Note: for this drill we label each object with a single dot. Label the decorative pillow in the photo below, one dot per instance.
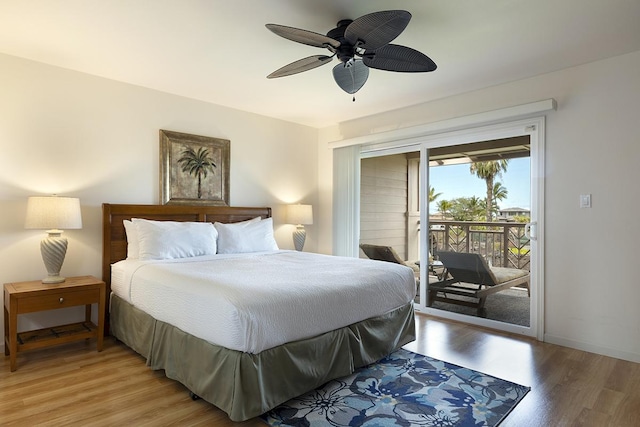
(246, 236)
(174, 239)
(133, 248)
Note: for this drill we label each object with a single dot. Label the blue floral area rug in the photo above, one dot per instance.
(404, 389)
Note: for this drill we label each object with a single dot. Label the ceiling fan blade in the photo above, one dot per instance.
(303, 36)
(301, 65)
(377, 29)
(398, 58)
(351, 75)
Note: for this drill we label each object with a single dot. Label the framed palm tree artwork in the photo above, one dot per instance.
(194, 169)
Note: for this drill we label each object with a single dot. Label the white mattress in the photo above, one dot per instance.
(253, 302)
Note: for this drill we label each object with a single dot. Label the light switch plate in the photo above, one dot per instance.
(585, 200)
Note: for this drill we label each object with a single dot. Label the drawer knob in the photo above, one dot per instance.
(61, 300)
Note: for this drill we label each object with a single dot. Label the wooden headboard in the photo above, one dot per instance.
(114, 239)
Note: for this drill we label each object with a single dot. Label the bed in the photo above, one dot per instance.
(237, 347)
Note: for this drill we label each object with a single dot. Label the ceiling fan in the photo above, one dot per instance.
(359, 45)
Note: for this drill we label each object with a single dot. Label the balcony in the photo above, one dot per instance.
(503, 244)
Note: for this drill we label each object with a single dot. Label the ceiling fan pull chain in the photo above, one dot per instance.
(353, 79)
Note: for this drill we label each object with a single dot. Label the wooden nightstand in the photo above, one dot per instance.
(30, 297)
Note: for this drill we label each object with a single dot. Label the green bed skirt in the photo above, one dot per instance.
(246, 385)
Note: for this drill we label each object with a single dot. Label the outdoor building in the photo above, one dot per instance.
(509, 214)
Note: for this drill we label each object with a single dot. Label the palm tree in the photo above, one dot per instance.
(467, 209)
(433, 195)
(474, 206)
(488, 171)
(500, 192)
(444, 206)
(197, 163)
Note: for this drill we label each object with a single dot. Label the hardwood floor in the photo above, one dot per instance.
(75, 385)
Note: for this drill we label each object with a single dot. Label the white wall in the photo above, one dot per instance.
(83, 136)
(592, 288)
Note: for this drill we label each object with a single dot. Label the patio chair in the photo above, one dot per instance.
(386, 253)
(469, 275)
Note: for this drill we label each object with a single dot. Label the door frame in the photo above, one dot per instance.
(534, 128)
(347, 154)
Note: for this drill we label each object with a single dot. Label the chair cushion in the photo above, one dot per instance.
(504, 274)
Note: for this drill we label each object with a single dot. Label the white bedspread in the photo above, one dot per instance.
(253, 302)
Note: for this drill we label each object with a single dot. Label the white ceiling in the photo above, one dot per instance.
(219, 51)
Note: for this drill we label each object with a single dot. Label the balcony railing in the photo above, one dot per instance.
(502, 244)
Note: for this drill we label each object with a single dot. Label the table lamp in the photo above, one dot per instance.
(53, 214)
(300, 215)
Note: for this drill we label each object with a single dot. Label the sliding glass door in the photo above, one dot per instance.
(479, 205)
(476, 192)
(483, 207)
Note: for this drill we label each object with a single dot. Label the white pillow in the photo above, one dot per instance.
(256, 219)
(133, 248)
(174, 239)
(246, 236)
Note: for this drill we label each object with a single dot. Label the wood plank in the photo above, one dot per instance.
(380, 182)
(382, 216)
(382, 237)
(383, 201)
(374, 203)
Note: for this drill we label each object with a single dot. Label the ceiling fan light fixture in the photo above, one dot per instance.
(351, 75)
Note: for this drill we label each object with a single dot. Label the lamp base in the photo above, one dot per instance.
(53, 279)
(53, 249)
(299, 236)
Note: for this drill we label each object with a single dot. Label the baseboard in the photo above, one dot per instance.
(591, 348)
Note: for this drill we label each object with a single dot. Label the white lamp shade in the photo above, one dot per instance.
(52, 212)
(300, 214)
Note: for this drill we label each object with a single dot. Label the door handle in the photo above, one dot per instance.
(528, 228)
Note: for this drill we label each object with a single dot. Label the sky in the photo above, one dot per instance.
(455, 181)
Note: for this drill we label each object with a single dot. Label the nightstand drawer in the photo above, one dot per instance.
(58, 300)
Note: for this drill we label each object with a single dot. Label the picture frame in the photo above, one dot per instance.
(194, 169)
